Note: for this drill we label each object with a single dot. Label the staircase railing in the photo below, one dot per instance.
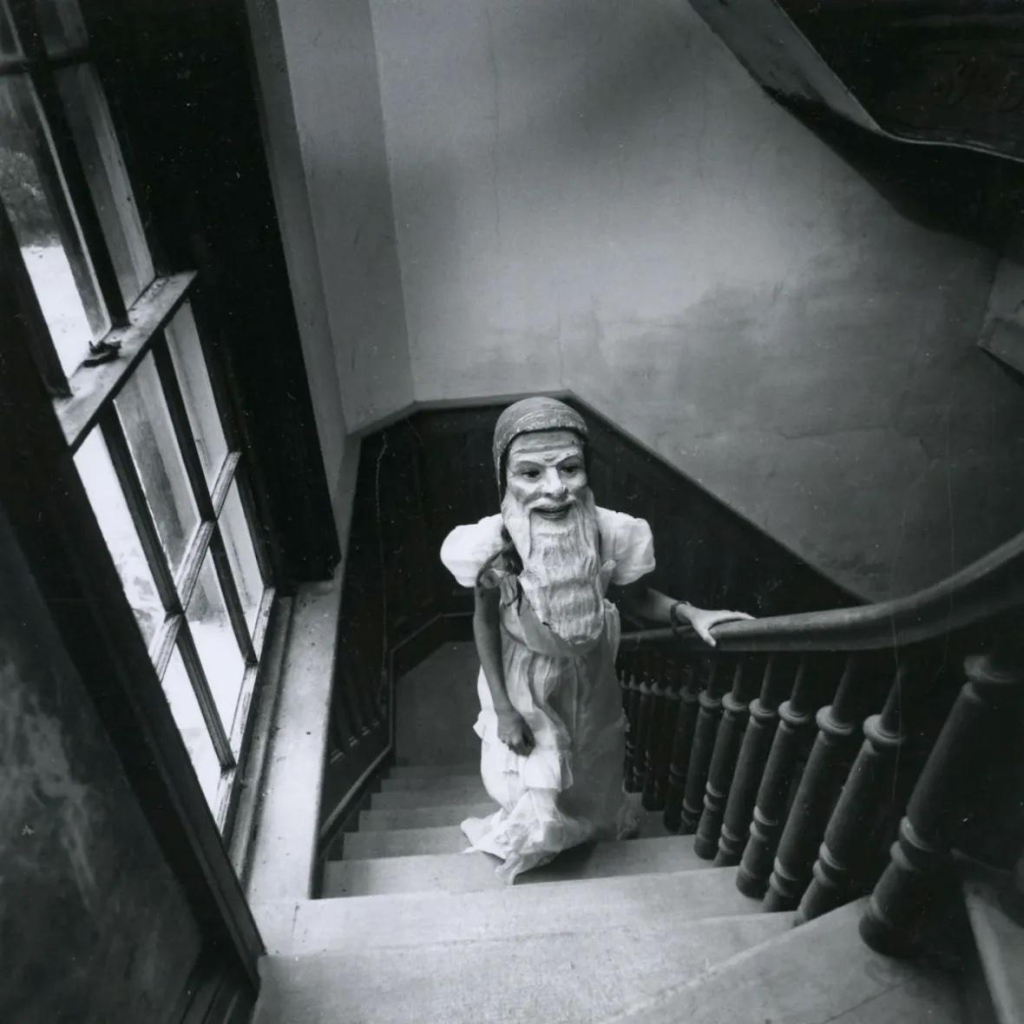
(791, 748)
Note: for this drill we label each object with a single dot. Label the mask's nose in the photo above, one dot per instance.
(554, 485)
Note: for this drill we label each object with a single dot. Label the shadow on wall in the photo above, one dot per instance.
(970, 194)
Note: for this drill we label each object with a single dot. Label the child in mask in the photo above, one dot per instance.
(551, 723)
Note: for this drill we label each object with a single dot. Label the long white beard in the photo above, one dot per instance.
(561, 566)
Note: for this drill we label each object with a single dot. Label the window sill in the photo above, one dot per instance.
(274, 842)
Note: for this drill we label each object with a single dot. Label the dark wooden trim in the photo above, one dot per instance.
(204, 697)
(92, 387)
(989, 586)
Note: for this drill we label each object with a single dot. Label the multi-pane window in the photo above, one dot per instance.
(117, 345)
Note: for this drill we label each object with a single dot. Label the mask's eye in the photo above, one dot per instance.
(530, 474)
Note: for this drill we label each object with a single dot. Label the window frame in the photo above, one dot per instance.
(84, 401)
(44, 499)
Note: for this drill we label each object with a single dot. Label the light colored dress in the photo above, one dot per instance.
(568, 789)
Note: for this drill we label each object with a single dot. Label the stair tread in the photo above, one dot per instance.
(412, 918)
(821, 971)
(430, 783)
(1000, 943)
(400, 799)
(442, 839)
(562, 976)
(464, 872)
(398, 818)
(423, 771)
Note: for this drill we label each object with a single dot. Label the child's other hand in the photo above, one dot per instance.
(514, 732)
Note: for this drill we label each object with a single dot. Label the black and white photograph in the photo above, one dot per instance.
(511, 511)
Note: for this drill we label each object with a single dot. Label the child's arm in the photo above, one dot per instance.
(645, 602)
(512, 728)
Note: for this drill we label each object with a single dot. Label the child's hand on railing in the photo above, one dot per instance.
(704, 620)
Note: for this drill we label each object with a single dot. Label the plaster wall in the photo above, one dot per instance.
(316, 66)
(93, 926)
(598, 198)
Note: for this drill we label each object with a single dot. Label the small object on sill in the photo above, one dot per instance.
(102, 352)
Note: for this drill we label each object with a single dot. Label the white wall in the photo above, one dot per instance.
(317, 72)
(597, 197)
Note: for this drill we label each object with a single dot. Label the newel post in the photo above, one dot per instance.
(897, 911)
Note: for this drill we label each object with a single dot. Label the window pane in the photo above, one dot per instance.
(33, 193)
(60, 22)
(242, 555)
(98, 147)
(187, 354)
(192, 726)
(101, 484)
(215, 640)
(9, 46)
(147, 424)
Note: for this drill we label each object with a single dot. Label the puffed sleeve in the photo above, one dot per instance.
(629, 544)
(467, 548)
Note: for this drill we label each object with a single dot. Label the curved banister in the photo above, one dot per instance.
(992, 584)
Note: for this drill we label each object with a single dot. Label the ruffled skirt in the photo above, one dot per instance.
(569, 789)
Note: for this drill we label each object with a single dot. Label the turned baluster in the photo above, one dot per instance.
(735, 712)
(708, 716)
(630, 705)
(671, 721)
(666, 726)
(834, 749)
(643, 731)
(659, 694)
(863, 798)
(757, 741)
(350, 693)
(345, 725)
(659, 712)
(793, 734)
(975, 729)
(682, 742)
(362, 683)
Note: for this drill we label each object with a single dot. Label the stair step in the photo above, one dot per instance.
(414, 918)
(434, 771)
(999, 939)
(402, 798)
(821, 971)
(465, 872)
(423, 817)
(430, 783)
(403, 842)
(568, 975)
(442, 839)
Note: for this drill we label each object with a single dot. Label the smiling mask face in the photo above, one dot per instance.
(549, 513)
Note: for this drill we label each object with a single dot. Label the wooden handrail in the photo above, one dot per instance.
(992, 584)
